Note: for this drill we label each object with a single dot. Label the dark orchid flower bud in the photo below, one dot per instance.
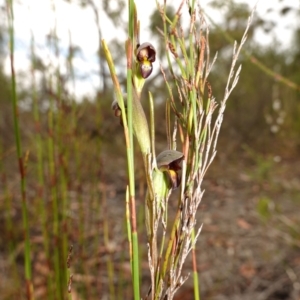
(169, 161)
(146, 51)
(118, 112)
(115, 106)
(165, 178)
(145, 54)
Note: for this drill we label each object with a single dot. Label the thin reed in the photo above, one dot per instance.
(20, 156)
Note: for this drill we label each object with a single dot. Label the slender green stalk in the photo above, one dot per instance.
(130, 151)
(27, 252)
(133, 109)
(61, 184)
(128, 226)
(195, 271)
(59, 189)
(152, 124)
(54, 195)
(63, 190)
(98, 170)
(130, 155)
(109, 263)
(40, 165)
(63, 224)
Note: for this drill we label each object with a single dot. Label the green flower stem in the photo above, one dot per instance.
(195, 271)
(134, 121)
(129, 113)
(28, 275)
(152, 125)
(130, 161)
(128, 225)
(40, 165)
(54, 196)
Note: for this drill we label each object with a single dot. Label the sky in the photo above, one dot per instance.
(39, 17)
